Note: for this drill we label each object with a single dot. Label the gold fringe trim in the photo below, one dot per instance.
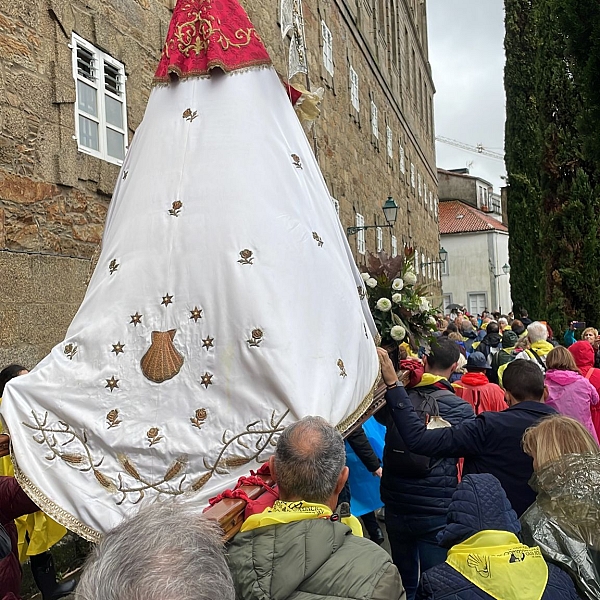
(54, 511)
(363, 407)
(206, 73)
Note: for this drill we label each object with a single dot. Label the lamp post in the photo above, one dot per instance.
(390, 212)
(505, 271)
(443, 254)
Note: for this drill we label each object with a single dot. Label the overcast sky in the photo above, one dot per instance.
(466, 52)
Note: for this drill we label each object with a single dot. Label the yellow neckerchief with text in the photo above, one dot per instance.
(290, 512)
(497, 563)
(429, 379)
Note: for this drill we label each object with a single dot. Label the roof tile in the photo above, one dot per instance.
(458, 217)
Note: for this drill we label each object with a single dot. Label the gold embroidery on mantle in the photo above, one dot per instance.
(199, 418)
(136, 319)
(162, 361)
(342, 368)
(188, 115)
(317, 239)
(296, 161)
(196, 314)
(118, 348)
(256, 337)
(153, 436)
(253, 441)
(202, 28)
(113, 266)
(176, 208)
(70, 351)
(112, 418)
(246, 257)
(112, 383)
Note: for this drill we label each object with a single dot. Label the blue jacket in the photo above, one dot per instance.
(431, 494)
(491, 443)
(479, 504)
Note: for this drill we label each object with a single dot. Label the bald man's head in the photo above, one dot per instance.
(309, 458)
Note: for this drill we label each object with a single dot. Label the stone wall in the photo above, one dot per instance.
(54, 198)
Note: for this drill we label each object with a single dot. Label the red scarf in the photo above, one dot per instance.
(474, 379)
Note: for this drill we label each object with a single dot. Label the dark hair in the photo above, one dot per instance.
(492, 327)
(524, 380)
(9, 373)
(443, 353)
(518, 327)
(452, 328)
(524, 313)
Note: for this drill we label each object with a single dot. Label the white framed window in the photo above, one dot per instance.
(431, 201)
(327, 48)
(336, 205)
(374, 120)
(394, 246)
(101, 106)
(416, 262)
(402, 160)
(439, 273)
(413, 182)
(444, 267)
(379, 232)
(423, 261)
(429, 269)
(360, 235)
(436, 205)
(388, 137)
(354, 99)
(425, 190)
(420, 186)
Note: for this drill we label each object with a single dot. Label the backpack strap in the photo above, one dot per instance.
(537, 357)
(589, 374)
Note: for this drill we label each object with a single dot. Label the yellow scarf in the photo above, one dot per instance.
(289, 512)
(497, 563)
(429, 379)
(542, 348)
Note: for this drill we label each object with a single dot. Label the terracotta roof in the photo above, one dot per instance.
(457, 217)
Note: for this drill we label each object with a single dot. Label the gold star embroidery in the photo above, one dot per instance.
(196, 314)
(118, 348)
(208, 342)
(113, 266)
(136, 319)
(167, 300)
(206, 379)
(112, 383)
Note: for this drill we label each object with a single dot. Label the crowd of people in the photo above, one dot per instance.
(490, 484)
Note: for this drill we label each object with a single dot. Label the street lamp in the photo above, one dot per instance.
(390, 212)
(443, 254)
(505, 271)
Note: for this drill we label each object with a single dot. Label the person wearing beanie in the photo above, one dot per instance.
(476, 389)
(507, 354)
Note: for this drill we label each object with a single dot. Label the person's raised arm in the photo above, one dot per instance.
(462, 440)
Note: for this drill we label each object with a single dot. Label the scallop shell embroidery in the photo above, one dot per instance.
(162, 361)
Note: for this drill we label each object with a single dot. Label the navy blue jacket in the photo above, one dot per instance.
(429, 495)
(479, 504)
(491, 443)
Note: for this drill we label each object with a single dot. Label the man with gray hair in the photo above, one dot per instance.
(302, 548)
(166, 552)
(539, 346)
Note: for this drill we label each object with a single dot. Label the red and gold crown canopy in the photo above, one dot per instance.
(205, 34)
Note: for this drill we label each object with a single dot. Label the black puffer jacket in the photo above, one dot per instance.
(430, 495)
(489, 342)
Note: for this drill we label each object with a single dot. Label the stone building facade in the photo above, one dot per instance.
(58, 164)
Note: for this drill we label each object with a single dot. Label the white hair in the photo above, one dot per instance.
(537, 332)
(167, 551)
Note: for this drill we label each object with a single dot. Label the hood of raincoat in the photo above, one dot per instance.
(583, 353)
(562, 377)
(478, 504)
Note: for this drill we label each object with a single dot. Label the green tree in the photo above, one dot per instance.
(522, 163)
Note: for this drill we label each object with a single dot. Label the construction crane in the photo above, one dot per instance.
(479, 149)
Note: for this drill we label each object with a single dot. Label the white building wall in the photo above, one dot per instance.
(470, 258)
